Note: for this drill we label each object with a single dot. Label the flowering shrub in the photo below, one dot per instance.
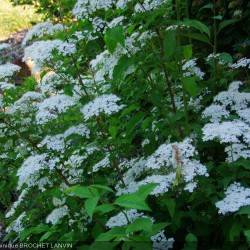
(130, 135)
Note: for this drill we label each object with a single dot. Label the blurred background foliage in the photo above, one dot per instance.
(13, 19)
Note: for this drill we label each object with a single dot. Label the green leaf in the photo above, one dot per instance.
(170, 203)
(124, 67)
(226, 23)
(33, 230)
(207, 6)
(104, 208)
(113, 130)
(137, 199)
(141, 224)
(203, 28)
(114, 36)
(191, 242)
(114, 233)
(169, 43)
(187, 52)
(145, 190)
(198, 37)
(190, 86)
(48, 234)
(156, 228)
(247, 234)
(244, 210)
(218, 17)
(132, 201)
(79, 191)
(106, 188)
(90, 205)
(235, 231)
(191, 238)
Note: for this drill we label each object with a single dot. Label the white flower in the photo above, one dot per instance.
(51, 107)
(42, 29)
(55, 142)
(116, 21)
(26, 103)
(8, 70)
(104, 163)
(236, 197)
(121, 4)
(225, 132)
(85, 8)
(124, 218)
(237, 150)
(5, 86)
(17, 225)
(242, 63)
(190, 69)
(165, 154)
(80, 129)
(215, 112)
(39, 53)
(14, 206)
(148, 5)
(167, 159)
(28, 173)
(160, 242)
(106, 104)
(4, 46)
(57, 214)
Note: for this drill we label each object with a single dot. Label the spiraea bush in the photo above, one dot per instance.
(135, 132)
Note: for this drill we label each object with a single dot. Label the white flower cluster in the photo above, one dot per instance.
(104, 104)
(16, 204)
(29, 172)
(218, 57)
(40, 52)
(235, 133)
(105, 62)
(49, 83)
(237, 196)
(51, 107)
(160, 242)
(190, 69)
(5, 86)
(8, 70)
(57, 214)
(40, 30)
(242, 63)
(26, 103)
(58, 142)
(4, 46)
(17, 225)
(124, 218)
(85, 8)
(169, 158)
(148, 5)
(104, 163)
